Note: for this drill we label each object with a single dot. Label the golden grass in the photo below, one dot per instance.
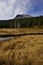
(19, 31)
(24, 50)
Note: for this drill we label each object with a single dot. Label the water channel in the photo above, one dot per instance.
(5, 38)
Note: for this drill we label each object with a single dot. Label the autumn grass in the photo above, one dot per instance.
(24, 50)
(4, 31)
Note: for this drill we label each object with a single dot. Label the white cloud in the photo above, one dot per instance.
(10, 8)
(22, 7)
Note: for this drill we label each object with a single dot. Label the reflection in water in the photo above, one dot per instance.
(5, 38)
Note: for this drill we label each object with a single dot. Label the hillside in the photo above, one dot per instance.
(23, 21)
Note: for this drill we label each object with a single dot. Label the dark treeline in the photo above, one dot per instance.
(33, 22)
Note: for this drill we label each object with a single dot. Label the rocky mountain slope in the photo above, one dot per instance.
(23, 16)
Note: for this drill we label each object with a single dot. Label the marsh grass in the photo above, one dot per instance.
(24, 50)
(19, 31)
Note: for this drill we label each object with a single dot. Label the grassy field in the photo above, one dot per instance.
(23, 50)
(19, 31)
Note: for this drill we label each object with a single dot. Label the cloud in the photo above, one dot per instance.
(10, 8)
(6, 8)
(22, 7)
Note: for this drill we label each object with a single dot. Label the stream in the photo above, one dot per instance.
(5, 38)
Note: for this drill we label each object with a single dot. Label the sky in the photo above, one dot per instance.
(10, 8)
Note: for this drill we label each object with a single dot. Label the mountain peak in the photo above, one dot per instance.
(20, 16)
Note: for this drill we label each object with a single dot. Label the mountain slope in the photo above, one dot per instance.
(23, 16)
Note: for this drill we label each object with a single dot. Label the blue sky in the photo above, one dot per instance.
(10, 8)
(37, 6)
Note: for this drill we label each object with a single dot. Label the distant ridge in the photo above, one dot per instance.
(22, 16)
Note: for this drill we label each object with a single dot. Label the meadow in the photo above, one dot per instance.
(22, 50)
(8, 31)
